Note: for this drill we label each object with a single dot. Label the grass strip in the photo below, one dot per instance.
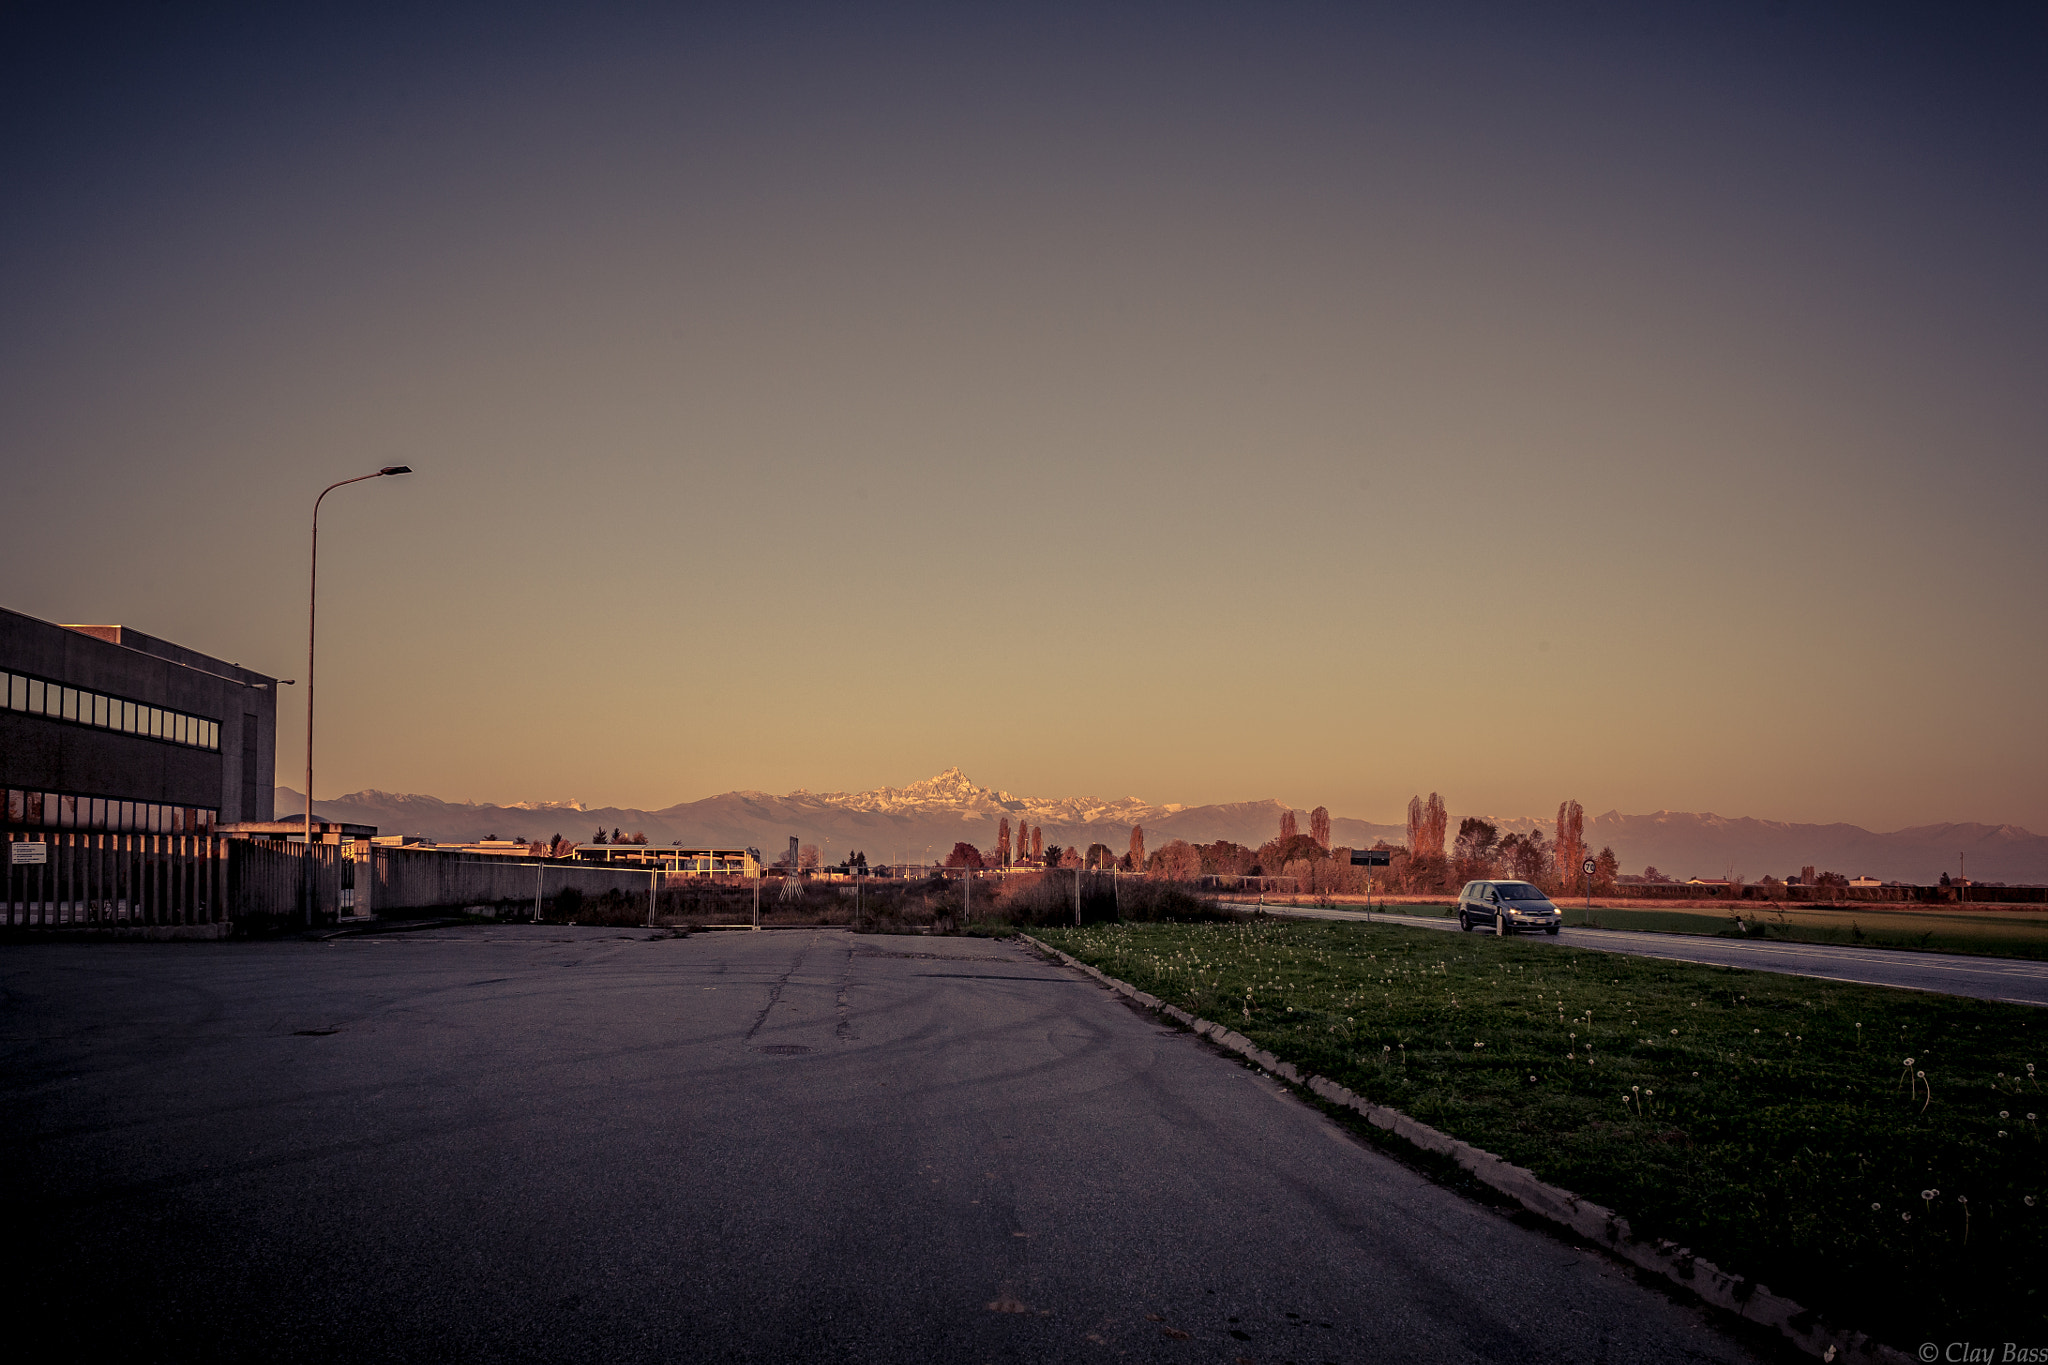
(1769, 1123)
(2020, 933)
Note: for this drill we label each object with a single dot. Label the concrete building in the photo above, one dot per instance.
(701, 862)
(104, 727)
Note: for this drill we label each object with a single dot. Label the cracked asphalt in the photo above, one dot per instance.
(537, 1143)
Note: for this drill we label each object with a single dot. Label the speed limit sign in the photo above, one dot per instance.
(1590, 867)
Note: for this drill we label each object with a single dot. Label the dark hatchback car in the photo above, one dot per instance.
(1506, 908)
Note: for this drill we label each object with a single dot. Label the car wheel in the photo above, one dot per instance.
(1464, 925)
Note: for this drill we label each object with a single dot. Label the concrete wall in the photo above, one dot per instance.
(409, 879)
(44, 754)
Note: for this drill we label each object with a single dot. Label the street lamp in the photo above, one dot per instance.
(312, 606)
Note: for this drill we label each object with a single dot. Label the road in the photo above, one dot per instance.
(534, 1143)
(2013, 980)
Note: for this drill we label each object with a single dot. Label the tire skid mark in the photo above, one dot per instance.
(775, 988)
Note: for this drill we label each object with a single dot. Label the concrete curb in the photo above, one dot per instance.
(1744, 1298)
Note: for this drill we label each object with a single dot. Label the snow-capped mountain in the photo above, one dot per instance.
(925, 819)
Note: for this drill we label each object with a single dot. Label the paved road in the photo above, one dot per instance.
(535, 1143)
(1987, 978)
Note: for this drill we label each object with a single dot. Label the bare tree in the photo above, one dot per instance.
(1038, 841)
(1138, 847)
(1570, 848)
(1288, 829)
(807, 857)
(1003, 842)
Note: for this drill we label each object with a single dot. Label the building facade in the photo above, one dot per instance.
(104, 727)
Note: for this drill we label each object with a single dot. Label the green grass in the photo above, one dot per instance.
(2004, 933)
(1767, 1122)
(2011, 933)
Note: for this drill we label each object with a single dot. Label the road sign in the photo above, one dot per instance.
(1591, 867)
(28, 853)
(1371, 857)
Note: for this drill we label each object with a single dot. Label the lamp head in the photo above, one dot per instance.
(395, 469)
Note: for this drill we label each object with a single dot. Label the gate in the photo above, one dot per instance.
(97, 879)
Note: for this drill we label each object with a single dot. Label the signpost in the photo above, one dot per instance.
(1370, 857)
(1588, 868)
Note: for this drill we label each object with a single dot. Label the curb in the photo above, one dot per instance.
(1603, 1227)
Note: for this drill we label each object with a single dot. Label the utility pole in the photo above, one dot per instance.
(1077, 895)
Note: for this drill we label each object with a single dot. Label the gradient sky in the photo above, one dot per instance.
(1645, 405)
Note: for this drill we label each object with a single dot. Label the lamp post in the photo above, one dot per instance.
(312, 607)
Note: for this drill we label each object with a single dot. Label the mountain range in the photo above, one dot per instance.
(923, 821)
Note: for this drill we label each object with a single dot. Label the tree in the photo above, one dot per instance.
(1477, 839)
(639, 836)
(964, 854)
(1606, 868)
(1571, 843)
(1290, 848)
(1177, 861)
(557, 846)
(1287, 827)
(1137, 845)
(617, 838)
(1070, 856)
(1319, 825)
(1099, 856)
(1525, 856)
(1038, 841)
(807, 858)
(598, 837)
(1428, 822)
(1003, 842)
(1051, 854)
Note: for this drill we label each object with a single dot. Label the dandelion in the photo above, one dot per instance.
(2001, 1132)
(1674, 1033)
(1875, 1206)
(1905, 1217)
(2029, 1201)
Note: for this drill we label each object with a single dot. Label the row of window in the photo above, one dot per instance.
(61, 810)
(19, 692)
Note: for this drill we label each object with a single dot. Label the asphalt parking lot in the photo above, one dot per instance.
(535, 1143)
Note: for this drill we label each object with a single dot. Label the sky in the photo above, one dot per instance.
(1642, 405)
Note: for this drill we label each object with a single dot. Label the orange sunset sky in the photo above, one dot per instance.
(1199, 402)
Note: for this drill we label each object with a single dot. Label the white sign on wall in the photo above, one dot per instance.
(28, 853)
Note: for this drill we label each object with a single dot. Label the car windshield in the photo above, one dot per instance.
(1519, 891)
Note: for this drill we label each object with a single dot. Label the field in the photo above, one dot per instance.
(1994, 933)
(1874, 1154)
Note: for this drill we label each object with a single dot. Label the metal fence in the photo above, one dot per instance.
(53, 879)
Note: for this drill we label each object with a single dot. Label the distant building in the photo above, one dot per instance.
(700, 862)
(106, 728)
(1865, 881)
(1708, 881)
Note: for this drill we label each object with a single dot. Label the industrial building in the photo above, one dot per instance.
(700, 862)
(107, 728)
